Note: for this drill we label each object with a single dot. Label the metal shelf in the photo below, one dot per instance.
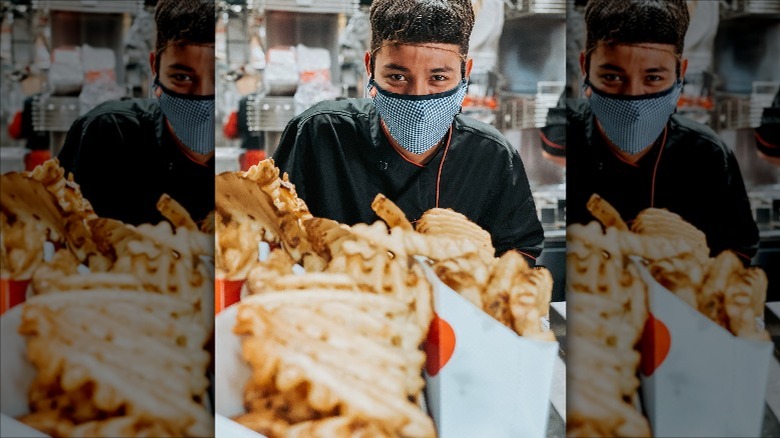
(731, 9)
(740, 111)
(269, 113)
(534, 8)
(311, 6)
(54, 113)
(516, 111)
(92, 6)
(762, 96)
(548, 93)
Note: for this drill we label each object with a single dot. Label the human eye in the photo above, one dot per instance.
(654, 78)
(439, 78)
(397, 77)
(611, 77)
(181, 77)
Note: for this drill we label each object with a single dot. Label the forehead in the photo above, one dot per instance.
(644, 54)
(196, 56)
(414, 53)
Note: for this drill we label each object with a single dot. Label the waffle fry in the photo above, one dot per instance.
(236, 249)
(208, 224)
(390, 213)
(672, 227)
(605, 213)
(165, 260)
(29, 216)
(262, 196)
(296, 342)
(608, 310)
(65, 190)
(76, 210)
(449, 223)
(175, 213)
(98, 355)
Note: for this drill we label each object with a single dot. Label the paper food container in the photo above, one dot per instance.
(481, 378)
(697, 378)
(10, 427)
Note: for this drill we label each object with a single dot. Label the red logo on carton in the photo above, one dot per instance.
(226, 292)
(439, 346)
(656, 342)
(12, 292)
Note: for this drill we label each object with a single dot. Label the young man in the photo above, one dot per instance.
(408, 140)
(125, 154)
(626, 144)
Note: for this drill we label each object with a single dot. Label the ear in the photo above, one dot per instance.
(683, 67)
(469, 64)
(367, 62)
(152, 64)
(582, 64)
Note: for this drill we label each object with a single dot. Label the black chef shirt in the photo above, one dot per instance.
(124, 158)
(339, 159)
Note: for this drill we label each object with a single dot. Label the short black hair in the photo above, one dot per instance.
(184, 22)
(422, 21)
(636, 21)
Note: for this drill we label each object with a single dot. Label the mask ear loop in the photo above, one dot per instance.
(655, 168)
(441, 166)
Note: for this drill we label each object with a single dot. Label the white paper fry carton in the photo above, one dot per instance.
(485, 380)
(697, 378)
(482, 380)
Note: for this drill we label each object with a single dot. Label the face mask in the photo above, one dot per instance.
(632, 123)
(190, 116)
(418, 123)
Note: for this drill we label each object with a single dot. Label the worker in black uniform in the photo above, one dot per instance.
(126, 154)
(408, 140)
(625, 142)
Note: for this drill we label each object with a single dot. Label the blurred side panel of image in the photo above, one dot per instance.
(106, 223)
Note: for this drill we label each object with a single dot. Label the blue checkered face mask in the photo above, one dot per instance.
(418, 122)
(632, 123)
(191, 118)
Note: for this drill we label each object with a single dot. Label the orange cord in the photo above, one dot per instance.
(441, 165)
(655, 169)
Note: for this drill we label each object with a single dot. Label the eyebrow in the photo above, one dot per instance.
(657, 70)
(615, 68)
(181, 67)
(404, 69)
(611, 67)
